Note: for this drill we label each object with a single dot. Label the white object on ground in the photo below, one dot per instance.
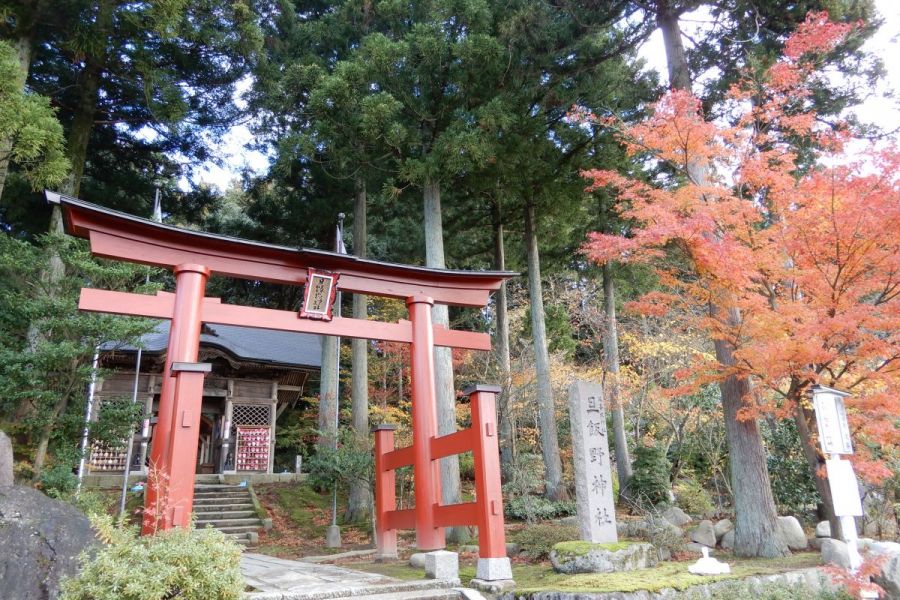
(708, 565)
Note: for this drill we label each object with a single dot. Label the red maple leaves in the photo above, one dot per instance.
(808, 253)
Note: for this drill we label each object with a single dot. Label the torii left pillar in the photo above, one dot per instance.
(170, 490)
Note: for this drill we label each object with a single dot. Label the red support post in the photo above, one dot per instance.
(160, 505)
(385, 493)
(426, 470)
(486, 454)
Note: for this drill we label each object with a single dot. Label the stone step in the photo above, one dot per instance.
(218, 515)
(239, 538)
(205, 508)
(405, 590)
(221, 523)
(438, 594)
(212, 493)
(240, 528)
(220, 486)
(211, 497)
(222, 498)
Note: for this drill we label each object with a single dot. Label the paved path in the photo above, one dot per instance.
(269, 574)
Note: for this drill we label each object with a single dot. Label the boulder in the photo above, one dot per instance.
(676, 516)
(512, 549)
(816, 543)
(638, 528)
(704, 534)
(834, 552)
(727, 541)
(823, 529)
(585, 557)
(417, 560)
(6, 461)
(889, 577)
(864, 543)
(791, 532)
(721, 528)
(885, 548)
(694, 547)
(42, 539)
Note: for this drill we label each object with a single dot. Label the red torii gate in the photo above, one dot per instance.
(193, 256)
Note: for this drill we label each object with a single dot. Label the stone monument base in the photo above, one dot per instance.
(500, 586)
(586, 557)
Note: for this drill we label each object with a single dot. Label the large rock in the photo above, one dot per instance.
(585, 557)
(834, 552)
(791, 532)
(889, 578)
(727, 541)
(41, 539)
(417, 560)
(6, 461)
(823, 529)
(676, 516)
(704, 534)
(721, 528)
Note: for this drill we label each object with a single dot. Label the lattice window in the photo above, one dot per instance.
(251, 414)
(254, 416)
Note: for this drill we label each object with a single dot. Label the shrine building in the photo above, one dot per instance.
(256, 375)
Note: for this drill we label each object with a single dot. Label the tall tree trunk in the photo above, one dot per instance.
(554, 488)
(40, 453)
(806, 422)
(611, 350)
(360, 499)
(755, 531)
(22, 46)
(676, 59)
(328, 389)
(445, 390)
(504, 406)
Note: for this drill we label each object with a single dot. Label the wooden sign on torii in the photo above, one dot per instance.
(193, 256)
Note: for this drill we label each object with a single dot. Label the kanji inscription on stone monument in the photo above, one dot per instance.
(593, 476)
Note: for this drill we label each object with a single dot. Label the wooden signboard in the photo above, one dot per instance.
(319, 295)
(831, 417)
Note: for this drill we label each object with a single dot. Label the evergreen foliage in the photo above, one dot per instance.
(650, 482)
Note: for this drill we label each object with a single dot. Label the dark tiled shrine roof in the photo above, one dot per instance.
(286, 348)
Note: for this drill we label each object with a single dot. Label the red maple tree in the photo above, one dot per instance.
(807, 251)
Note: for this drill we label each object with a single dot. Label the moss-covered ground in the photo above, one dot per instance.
(542, 577)
(299, 516)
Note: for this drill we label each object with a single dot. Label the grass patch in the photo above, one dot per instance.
(542, 577)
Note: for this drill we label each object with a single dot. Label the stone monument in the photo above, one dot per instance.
(6, 460)
(593, 476)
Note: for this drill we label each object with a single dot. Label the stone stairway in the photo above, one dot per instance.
(228, 508)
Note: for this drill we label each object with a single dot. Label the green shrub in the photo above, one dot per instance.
(792, 482)
(741, 590)
(182, 563)
(523, 482)
(58, 481)
(467, 466)
(92, 502)
(538, 540)
(533, 508)
(692, 498)
(649, 484)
